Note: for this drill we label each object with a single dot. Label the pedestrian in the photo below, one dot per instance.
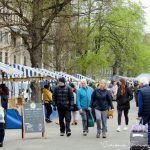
(124, 96)
(64, 100)
(101, 102)
(47, 96)
(75, 110)
(136, 90)
(84, 94)
(4, 93)
(114, 90)
(144, 104)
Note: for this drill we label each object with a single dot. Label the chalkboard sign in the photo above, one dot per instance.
(33, 118)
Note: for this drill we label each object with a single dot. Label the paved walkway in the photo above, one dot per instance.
(114, 140)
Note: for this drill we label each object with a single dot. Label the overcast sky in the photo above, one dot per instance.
(146, 3)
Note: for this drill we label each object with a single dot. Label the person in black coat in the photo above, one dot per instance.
(101, 102)
(4, 92)
(63, 98)
(124, 96)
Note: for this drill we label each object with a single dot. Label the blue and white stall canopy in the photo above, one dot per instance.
(79, 76)
(48, 73)
(9, 70)
(57, 75)
(28, 72)
(66, 76)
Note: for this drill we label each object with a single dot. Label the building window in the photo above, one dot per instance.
(1, 56)
(6, 57)
(25, 60)
(1, 36)
(14, 41)
(6, 38)
(15, 59)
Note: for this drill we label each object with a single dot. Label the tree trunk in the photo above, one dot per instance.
(36, 51)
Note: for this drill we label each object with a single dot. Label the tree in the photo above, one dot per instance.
(118, 34)
(35, 17)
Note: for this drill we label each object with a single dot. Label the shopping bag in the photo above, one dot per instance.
(139, 136)
(2, 115)
(90, 120)
(110, 114)
(139, 127)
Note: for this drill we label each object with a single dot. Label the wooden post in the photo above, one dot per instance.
(23, 126)
(44, 133)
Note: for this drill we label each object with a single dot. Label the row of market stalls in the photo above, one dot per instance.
(18, 78)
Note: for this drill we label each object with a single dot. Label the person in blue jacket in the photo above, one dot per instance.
(83, 98)
(144, 104)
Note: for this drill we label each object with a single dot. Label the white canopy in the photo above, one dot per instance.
(142, 75)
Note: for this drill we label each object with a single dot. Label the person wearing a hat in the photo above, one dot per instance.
(63, 98)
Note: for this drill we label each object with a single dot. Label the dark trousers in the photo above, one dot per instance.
(126, 111)
(64, 113)
(2, 134)
(48, 110)
(149, 133)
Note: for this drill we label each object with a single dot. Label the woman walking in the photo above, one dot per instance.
(101, 102)
(124, 96)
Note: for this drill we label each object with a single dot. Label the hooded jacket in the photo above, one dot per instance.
(47, 96)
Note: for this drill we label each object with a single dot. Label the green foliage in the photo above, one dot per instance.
(119, 30)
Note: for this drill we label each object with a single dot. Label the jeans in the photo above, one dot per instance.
(125, 115)
(101, 120)
(64, 113)
(48, 110)
(84, 116)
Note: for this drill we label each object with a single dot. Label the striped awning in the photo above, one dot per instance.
(79, 76)
(67, 76)
(48, 73)
(9, 70)
(27, 71)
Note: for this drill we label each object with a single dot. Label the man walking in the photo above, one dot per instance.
(64, 100)
(83, 102)
(144, 104)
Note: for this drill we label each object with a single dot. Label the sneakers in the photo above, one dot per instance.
(125, 128)
(68, 134)
(85, 133)
(74, 123)
(1, 144)
(118, 129)
(98, 135)
(103, 135)
(48, 121)
(62, 134)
